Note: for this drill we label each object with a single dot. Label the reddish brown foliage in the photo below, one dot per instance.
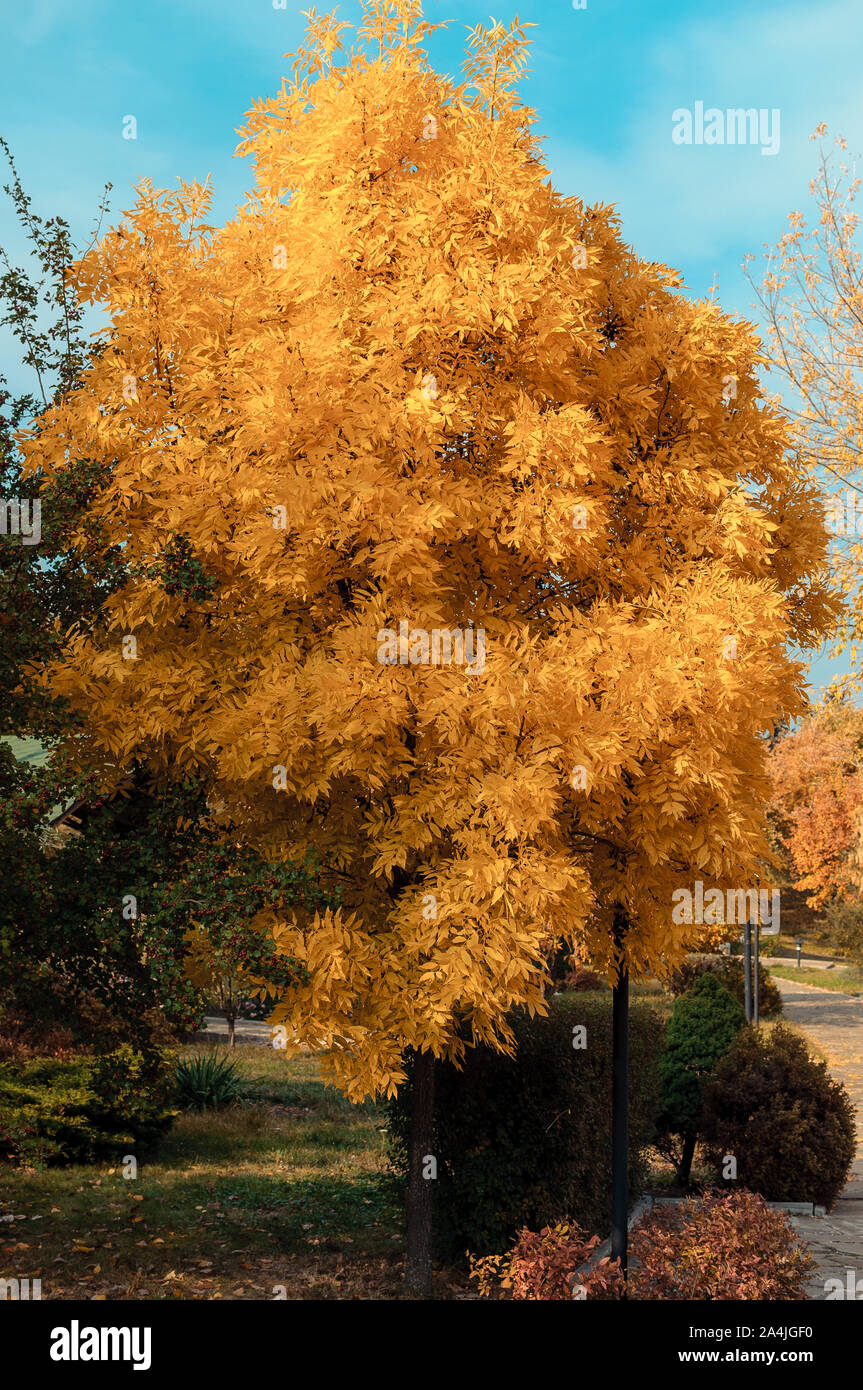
(545, 1265)
(724, 1247)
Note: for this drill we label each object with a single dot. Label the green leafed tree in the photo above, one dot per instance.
(700, 1031)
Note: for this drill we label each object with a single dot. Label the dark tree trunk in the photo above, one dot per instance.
(418, 1266)
(620, 1102)
(231, 1031)
(686, 1159)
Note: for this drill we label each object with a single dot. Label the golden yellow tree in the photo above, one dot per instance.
(462, 549)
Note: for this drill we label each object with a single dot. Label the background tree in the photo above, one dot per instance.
(50, 585)
(411, 382)
(219, 893)
(811, 296)
(46, 583)
(94, 930)
(816, 814)
(127, 930)
(700, 1031)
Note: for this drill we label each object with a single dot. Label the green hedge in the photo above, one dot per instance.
(55, 1111)
(527, 1140)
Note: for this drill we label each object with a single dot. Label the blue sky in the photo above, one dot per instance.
(604, 81)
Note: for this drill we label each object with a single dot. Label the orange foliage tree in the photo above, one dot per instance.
(818, 789)
(462, 550)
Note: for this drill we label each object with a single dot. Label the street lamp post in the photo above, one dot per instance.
(755, 975)
(747, 969)
(757, 947)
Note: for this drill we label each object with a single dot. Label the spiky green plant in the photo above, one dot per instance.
(207, 1082)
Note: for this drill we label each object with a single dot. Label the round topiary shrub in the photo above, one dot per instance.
(700, 1032)
(786, 1121)
(728, 970)
(526, 1140)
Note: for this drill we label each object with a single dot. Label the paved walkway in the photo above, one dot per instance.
(808, 962)
(245, 1031)
(835, 1022)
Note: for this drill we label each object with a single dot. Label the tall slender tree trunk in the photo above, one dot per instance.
(418, 1266)
(685, 1166)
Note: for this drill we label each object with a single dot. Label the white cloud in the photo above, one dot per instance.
(681, 203)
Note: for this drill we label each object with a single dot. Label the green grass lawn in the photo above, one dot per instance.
(286, 1189)
(846, 981)
(815, 945)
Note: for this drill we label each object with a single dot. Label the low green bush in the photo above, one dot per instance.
(526, 1140)
(133, 1093)
(55, 1111)
(206, 1082)
(779, 1113)
(43, 1111)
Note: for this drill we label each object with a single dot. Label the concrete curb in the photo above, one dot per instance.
(795, 1208)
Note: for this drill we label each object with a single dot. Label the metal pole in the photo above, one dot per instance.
(620, 1110)
(747, 970)
(757, 941)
